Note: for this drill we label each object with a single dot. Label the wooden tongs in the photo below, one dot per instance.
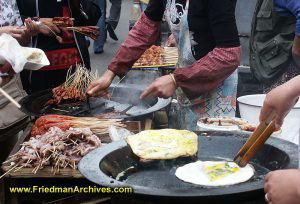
(256, 140)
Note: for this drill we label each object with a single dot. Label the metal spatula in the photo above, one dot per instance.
(123, 112)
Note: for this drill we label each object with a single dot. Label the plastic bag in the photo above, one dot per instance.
(118, 133)
(21, 57)
(11, 51)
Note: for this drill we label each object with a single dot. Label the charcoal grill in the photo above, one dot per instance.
(156, 180)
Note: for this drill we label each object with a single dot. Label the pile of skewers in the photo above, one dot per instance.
(67, 23)
(170, 55)
(158, 56)
(75, 86)
(152, 56)
(97, 125)
(55, 148)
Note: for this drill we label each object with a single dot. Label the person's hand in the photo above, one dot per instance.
(7, 68)
(163, 87)
(281, 99)
(15, 31)
(32, 28)
(99, 87)
(171, 42)
(283, 187)
(49, 29)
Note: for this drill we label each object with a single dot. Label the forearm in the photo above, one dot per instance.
(296, 50)
(294, 87)
(16, 33)
(140, 38)
(209, 72)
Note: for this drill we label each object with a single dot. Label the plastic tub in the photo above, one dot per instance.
(250, 106)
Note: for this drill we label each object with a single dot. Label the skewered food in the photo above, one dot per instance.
(214, 173)
(226, 123)
(63, 21)
(223, 121)
(55, 148)
(68, 24)
(163, 144)
(66, 94)
(90, 31)
(151, 56)
(98, 126)
(157, 55)
(75, 86)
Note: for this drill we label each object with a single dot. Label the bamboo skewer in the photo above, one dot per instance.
(10, 98)
(8, 171)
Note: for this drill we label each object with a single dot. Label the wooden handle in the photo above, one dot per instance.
(257, 144)
(148, 124)
(10, 98)
(254, 137)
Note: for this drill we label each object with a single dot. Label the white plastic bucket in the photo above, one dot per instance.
(250, 106)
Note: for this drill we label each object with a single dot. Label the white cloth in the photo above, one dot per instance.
(12, 52)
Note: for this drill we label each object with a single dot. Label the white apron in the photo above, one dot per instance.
(218, 102)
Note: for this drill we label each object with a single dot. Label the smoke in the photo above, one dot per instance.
(137, 80)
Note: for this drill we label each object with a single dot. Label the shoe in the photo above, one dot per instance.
(99, 52)
(111, 32)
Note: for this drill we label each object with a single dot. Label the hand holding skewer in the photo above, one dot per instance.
(100, 86)
(48, 28)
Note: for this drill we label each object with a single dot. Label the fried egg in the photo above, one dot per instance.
(214, 173)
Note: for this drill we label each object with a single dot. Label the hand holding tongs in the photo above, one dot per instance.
(256, 140)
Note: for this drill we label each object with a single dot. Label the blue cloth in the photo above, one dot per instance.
(99, 43)
(143, 6)
(288, 7)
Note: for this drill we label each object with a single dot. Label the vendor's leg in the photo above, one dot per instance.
(114, 13)
(99, 43)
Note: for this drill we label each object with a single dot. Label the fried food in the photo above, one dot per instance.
(214, 173)
(163, 144)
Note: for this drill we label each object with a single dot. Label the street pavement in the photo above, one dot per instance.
(101, 61)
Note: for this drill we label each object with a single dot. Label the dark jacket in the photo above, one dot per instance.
(28, 8)
(271, 42)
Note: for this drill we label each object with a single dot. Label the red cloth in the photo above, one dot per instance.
(209, 72)
(67, 36)
(62, 58)
(140, 38)
(67, 57)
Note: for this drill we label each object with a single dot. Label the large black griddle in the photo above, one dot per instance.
(157, 179)
(123, 97)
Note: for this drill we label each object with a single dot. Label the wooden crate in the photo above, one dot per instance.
(133, 126)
